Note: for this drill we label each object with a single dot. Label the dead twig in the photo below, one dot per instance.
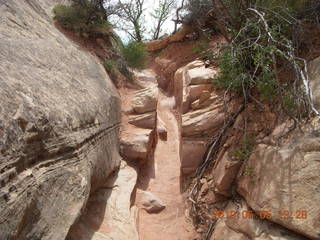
(209, 159)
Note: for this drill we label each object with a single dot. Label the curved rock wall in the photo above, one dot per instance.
(59, 117)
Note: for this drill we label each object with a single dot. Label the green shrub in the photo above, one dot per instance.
(84, 19)
(203, 48)
(116, 67)
(232, 71)
(67, 16)
(200, 47)
(262, 45)
(135, 54)
(245, 149)
(249, 61)
(124, 70)
(111, 67)
(196, 11)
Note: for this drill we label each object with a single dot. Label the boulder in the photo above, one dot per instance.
(195, 79)
(145, 100)
(225, 173)
(146, 120)
(109, 214)
(285, 180)
(240, 223)
(145, 77)
(192, 154)
(201, 121)
(200, 75)
(149, 202)
(59, 119)
(135, 143)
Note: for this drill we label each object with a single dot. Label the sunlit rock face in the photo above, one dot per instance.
(135, 143)
(136, 135)
(203, 111)
(145, 100)
(314, 74)
(59, 119)
(109, 214)
(281, 175)
(285, 180)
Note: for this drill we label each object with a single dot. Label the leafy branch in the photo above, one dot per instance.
(258, 52)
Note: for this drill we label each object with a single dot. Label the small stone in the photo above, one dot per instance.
(200, 230)
(162, 132)
(151, 203)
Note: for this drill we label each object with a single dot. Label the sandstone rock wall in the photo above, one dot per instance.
(139, 116)
(285, 177)
(204, 111)
(109, 214)
(280, 176)
(59, 117)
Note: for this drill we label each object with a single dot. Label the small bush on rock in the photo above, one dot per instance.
(85, 19)
(262, 38)
(135, 54)
(111, 67)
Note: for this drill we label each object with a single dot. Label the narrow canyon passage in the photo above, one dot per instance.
(162, 178)
(208, 133)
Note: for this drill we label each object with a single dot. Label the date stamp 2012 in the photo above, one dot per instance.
(248, 214)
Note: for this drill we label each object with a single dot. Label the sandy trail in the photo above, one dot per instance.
(162, 177)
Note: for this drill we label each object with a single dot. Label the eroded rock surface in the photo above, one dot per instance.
(283, 176)
(59, 119)
(145, 77)
(195, 79)
(160, 44)
(146, 120)
(204, 111)
(286, 178)
(200, 121)
(109, 214)
(314, 72)
(193, 150)
(225, 173)
(200, 75)
(135, 143)
(145, 100)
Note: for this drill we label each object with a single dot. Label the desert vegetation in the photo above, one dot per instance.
(90, 19)
(83, 17)
(264, 39)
